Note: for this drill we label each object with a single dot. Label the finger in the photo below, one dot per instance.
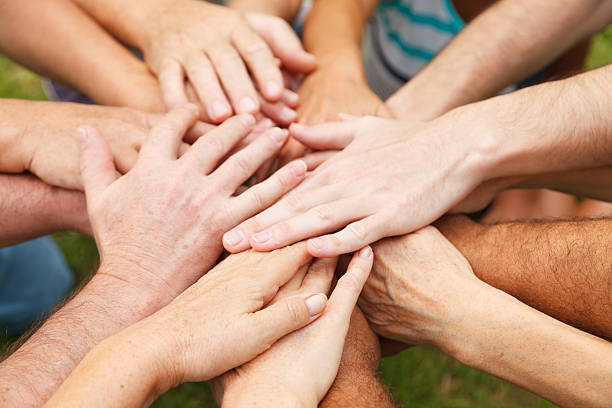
(235, 79)
(97, 168)
(264, 171)
(207, 151)
(328, 136)
(202, 76)
(290, 98)
(238, 168)
(166, 136)
(318, 220)
(351, 238)
(197, 130)
(319, 276)
(260, 61)
(294, 283)
(347, 290)
(279, 112)
(284, 43)
(314, 160)
(125, 159)
(290, 206)
(283, 317)
(291, 151)
(261, 196)
(280, 266)
(172, 84)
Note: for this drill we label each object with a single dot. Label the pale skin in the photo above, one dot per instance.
(211, 46)
(59, 25)
(299, 369)
(41, 137)
(423, 291)
(158, 230)
(222, 321)
(369, 190)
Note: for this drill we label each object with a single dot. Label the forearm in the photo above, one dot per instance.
(557, 126)
(59, 25)
(31, 208)
(105, 306)
(559, 268)
(362, 390)
(491, 54)
(335, 26)
(122, 368)
(285, 9)
(510, 340)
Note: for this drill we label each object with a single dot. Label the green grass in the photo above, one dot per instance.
(419, 377)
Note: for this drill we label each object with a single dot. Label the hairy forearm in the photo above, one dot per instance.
(105, 306)
(30, 208)
(58, 25)
(559, 268)
(513, 341)
(462, 72)
(285, 9)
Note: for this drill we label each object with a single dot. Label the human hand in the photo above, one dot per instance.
(378, 186)
(213, 46)
(162, 222)
(338, 86)
(302, 366)
(49, 144)
(421, 289)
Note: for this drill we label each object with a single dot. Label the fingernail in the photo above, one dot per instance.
(82, 137)
(220, 109)
(288, 114)
(278, 135)
(247, 105)
(291, 97)
(273, 88)
(316, 304)
(233, 238)
(365, 252)
(298, 168)
(262, 237)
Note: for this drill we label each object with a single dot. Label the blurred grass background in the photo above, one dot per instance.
(418, 377)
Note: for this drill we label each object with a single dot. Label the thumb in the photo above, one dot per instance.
(285, 316)
(97, 166)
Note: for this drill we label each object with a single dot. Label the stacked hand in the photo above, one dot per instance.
(391, 178)
(215, 48)
(299, 369)
(161, 224)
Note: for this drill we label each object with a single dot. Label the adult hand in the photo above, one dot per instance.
(299, 369)
(49, 148)
(420, 289)
(225, 319)
(163, 221)
(338, 86)
(215, 47)
(391, 178)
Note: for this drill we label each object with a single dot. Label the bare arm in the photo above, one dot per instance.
(357, 384)
(507, 42)
(30, 208)
(37, 35)
(559, 268)
(286, 9)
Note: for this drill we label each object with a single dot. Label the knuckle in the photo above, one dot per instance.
(358, 230)
(294, 202)
(215, 145)
(295, 311)
(257, 199)
(322, 213)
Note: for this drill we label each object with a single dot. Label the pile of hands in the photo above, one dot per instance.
(166, 194)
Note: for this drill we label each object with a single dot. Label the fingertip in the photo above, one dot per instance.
(298, 168)
(247, 119)
(248, 105)
(320, 247)
(315, 304)
(272, 90)
(366, 252)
